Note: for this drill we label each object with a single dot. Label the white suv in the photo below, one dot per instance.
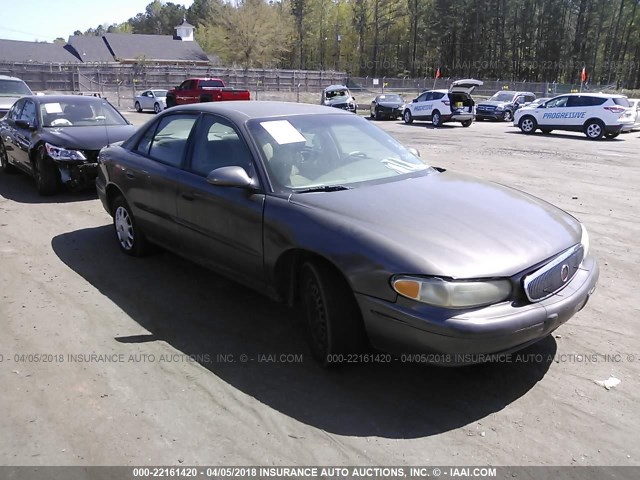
(440, 106)
(11, 89)
(594, 114)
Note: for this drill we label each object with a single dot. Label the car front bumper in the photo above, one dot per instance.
(78, 175)
(407, 327)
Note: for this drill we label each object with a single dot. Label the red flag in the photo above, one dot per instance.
(583, 75)
(438, 75)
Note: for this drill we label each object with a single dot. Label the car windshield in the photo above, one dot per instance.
(390, 98)
(502, 97)
(74, 113)
(315, 151)
(336, 93)
(14, 88)
(160, 93)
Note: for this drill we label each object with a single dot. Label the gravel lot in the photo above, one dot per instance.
(67, 292)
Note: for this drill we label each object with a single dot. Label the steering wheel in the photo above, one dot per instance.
(61, 122)
(356, 154)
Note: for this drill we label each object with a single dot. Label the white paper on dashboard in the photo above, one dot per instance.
(53, 108)
(283, 132)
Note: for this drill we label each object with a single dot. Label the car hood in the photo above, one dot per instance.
(87, 138)
(7, 102)
(338, 100)
(494, 103)
(452, 225)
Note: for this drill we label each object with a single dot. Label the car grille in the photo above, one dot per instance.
(486, 108)
(344, 106)
(92, 155)
(553, 276)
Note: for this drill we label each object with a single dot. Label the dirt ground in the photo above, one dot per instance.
(161, 387)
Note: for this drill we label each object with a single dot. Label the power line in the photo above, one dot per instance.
(35, 35)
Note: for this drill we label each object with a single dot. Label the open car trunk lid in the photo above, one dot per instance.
(467, 86)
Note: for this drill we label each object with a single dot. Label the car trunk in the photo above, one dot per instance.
(461, 103)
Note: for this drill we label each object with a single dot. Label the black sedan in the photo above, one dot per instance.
(387, 106)
(319, 207)
(56, 139)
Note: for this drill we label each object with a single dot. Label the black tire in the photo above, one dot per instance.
(546, 130)
(467, 123)
(528, 125)
(436, 119)
(507, 116)
(334, 321)
(130, 238)
(171, 101)
(377, 115)
(611, 136)
(205, 98)
(594, 129)
(138, 107)
(406, 117)
(156, 108)
(46, 175)
(4, 160)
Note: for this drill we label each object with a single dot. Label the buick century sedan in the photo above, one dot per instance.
(321, 209)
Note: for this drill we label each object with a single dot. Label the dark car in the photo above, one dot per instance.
(321, 208)
(56, 139)
(387, 105)
(502, 105)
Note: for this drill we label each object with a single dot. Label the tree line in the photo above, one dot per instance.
(519, 40)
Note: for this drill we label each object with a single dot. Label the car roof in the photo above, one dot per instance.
(64, 98)
(598, 95)
(7, 77)
(242, 110)
(335, 87)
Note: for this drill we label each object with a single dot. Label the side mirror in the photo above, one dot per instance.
(24, 124)
(414, 151)
(541, 105)
(230, 177)
(414, 100)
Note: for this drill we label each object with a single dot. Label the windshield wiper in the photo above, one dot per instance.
(323, 188)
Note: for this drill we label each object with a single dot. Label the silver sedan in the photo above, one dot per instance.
(155, 100)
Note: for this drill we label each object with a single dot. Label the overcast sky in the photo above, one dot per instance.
(46, 20)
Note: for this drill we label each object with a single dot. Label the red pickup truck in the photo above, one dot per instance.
(196, 90)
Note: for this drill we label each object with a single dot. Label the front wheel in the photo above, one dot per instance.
(594, 130)
(528, 125)
(507, 116)
(130, 239)
(138, 107)
(436, 119)
(334, 322)
(467, 123)
(406, 116)
(4, 160)
(156, 107)
(46, 175)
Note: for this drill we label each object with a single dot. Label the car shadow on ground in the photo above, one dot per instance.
(557, 135)
(21, 188)
(202, 314)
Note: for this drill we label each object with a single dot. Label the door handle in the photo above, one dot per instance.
(187, 196)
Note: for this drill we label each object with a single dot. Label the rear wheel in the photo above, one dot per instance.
(334, 322)
(130, 239)
(594, 129)
(4, 160)
(436, 119)
(528, 125)
(406, 116)
(611, 135)
(138, 107)
(46, 175)
(156, 107)
(507, 116)
(466, 123)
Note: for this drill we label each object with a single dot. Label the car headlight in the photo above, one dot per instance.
(63, 154)
(584, 240)
(452, 293)
(500, 107)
